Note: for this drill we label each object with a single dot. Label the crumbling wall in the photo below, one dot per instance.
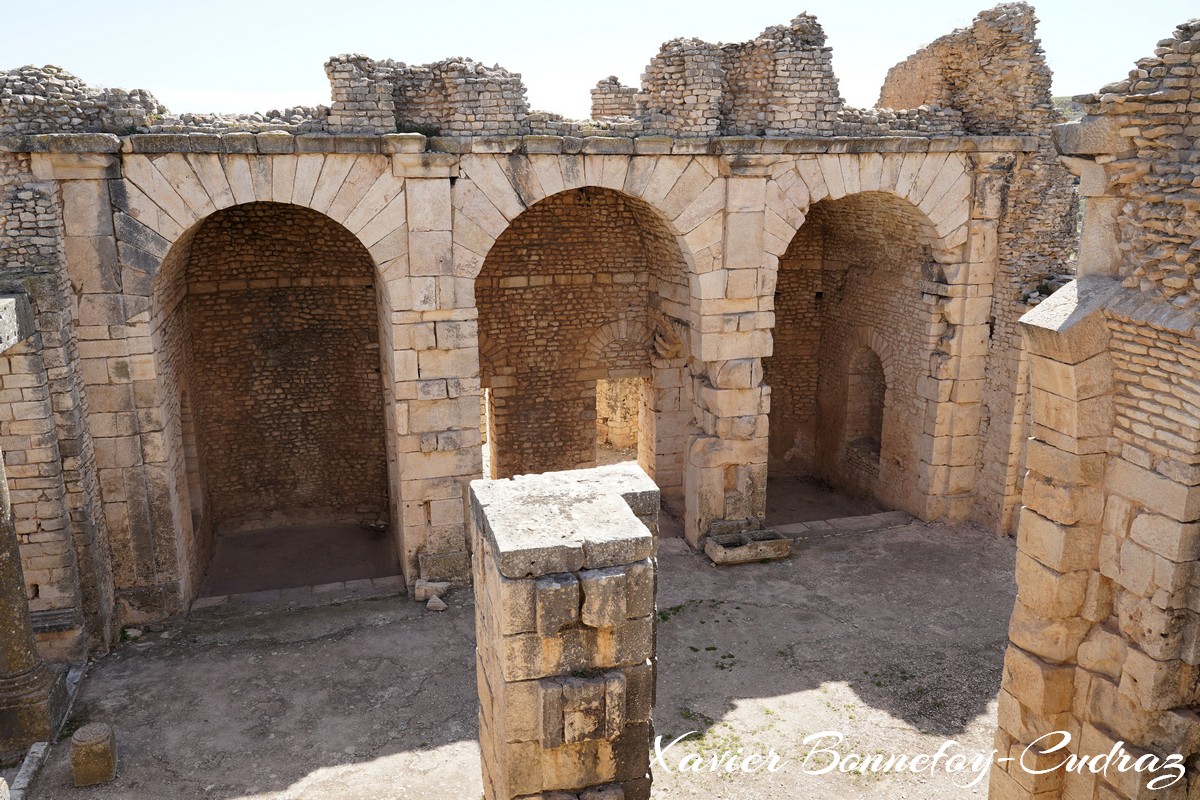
(994, 72)
(49, 99)
(681, 88)
(457, 96)
(611, 99)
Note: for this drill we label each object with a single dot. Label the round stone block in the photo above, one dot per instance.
(93, 754)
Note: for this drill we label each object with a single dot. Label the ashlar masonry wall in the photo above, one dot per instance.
(1105, 638)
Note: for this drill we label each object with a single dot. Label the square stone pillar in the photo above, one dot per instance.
(1061, 594)
(725, 481)
(564, 573)
(435, 368)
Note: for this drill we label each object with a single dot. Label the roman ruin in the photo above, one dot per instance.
(427, 314)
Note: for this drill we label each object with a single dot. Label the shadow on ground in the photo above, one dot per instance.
(893, 638)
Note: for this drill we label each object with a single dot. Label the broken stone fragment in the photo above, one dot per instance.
(436, 604)
(423, 589)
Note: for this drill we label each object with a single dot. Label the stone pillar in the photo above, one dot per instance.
(32, 696)
(564, 573)
(1061, 593)
(958, 309)
(726, 477)
(435, 366)
(129, 479)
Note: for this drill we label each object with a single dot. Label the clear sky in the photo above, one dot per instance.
(243, 55)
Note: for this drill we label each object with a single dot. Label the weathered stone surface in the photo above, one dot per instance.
(93, 754)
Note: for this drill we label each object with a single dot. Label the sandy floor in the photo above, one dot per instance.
(893, 638)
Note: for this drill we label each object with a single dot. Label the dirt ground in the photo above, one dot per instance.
(895, 639)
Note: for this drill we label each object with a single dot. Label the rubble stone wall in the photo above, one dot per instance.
(283, 366)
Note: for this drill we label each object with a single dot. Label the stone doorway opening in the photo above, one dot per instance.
(583, 312)
(265, 327)
(849, 341)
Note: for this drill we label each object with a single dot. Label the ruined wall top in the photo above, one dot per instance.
(994, 72)
(988, 79)
(1143, 137)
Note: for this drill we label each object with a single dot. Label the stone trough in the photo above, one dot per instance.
(746, 546)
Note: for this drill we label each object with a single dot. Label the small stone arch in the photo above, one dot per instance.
(622, 335)
(869, 339)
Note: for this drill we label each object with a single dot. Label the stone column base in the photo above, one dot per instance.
(32, 707)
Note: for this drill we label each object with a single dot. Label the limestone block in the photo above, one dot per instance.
(1162, 535)
(1156, 685)
(1069, 326)
(1035, 683)
(1062, 548)
(93, 755)
(557, 602)
(1064, 467)
(604, 597)
(1154, 491)
(1104, 652)
(1055, 594)
(423, 589)
(1024, 723)
(1087, 379)
(1055, 640)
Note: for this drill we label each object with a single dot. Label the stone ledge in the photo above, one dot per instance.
(282, 142)
(817, 529)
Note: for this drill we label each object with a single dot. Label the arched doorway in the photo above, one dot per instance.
(265, 327)
(585, 294)
(851, 339)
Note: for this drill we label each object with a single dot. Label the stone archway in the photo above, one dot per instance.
(851, 326)
(264, 325)
(586, 285)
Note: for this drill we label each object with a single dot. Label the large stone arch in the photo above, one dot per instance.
(615, 260)
(159, 204)
(931, 193)
(937, 185)
(687, 194)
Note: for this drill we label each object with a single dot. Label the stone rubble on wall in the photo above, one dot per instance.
(1155, 110)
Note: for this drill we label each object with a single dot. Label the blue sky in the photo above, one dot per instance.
(238, 55)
